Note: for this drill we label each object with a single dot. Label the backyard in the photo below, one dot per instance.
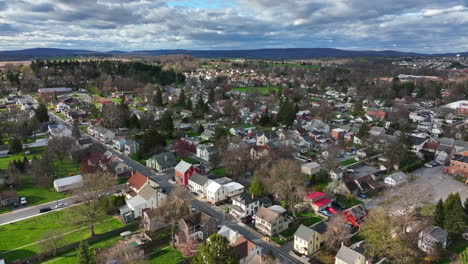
(166, 255)
(33, 152)
(20, 239)
(262, 89)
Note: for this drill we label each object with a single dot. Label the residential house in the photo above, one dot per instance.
(417, 144)
(118, 143)
(216, 192)
(319, 200)
(368, 184)
(347, 255)
(131, 147)
(84, 143)
(244, 205)
(206, 152)
(377, 131)
(355, 215)
(8, 198)
(376, 113)
(136, 182)
(207, 134)
(162, 161)
(59, 130)
(68, 183)
(336, 173)
(147, 197)
(458, 165)
(431, 235)
(308, 240)
(246, 250)
(198, 184)
(3, 151)
(266, 137)
(395, 179)
(310, 168)
(183, 172)
(230, 234)
(197, 226)
(101, 133)
(272, 220)
(337, 134)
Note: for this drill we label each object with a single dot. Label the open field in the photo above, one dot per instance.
(20, 239)
(33, 152)
(166, 255)
(261, 89)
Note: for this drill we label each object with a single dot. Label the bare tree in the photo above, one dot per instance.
(337, 233)
(59, 148)
(50, 241)
(93, 196)
(122, 253)
(175, 208)
(410, 199)
(237, 160)
(284, 179)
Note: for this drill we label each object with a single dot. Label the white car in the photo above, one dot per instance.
(60, 205)
(429, 165)
(23, 201)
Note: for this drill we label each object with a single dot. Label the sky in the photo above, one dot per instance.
(425, 26)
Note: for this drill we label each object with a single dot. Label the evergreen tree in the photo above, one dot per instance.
(256, 188)
(463, 257)
(264, 119)
(215, 250)
(286, 114)
(158, 99)
(15, 146)
(167, 124)
(465, 207)
(211, 96)
(439, 214)
(76, 132)
(454, 222)
(189, 105)
(84, 257)
(41, 113)
(182, 100)
(134, 122)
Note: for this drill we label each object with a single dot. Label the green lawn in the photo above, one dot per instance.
(117, 100)
(427, 209)
(66, 168)
(347, 162)
(61, 116)
(166, 255)
(348, 203)
(219, 172)
(31, 230)
(262, 89)
(33, 152)
(308, 219)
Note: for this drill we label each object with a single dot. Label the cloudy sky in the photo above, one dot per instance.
(424, 26)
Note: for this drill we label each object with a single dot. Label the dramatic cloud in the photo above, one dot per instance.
(407, 25)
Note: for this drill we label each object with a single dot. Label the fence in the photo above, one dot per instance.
(69, 247)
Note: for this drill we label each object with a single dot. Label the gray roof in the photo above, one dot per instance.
(348, 255)
(319, 227)
(447, 141)
(437, 233)
(166, 159)
(304, 232)
(199, 179)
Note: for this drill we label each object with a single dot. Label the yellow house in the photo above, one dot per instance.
(308, 240)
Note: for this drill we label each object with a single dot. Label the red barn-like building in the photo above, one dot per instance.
(183, 172)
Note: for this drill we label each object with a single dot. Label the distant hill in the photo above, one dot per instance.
(297, 53)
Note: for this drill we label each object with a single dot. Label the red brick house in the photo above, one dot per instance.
(376, 113)
(458, 165)
(183, 172)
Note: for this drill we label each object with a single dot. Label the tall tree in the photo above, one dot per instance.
(15, 146)
(167, 123)
(454, 222)
(84, 256)
(158, 98)
(211, 96)
(439, 214)
(287, 113)
(41, 113)
(465, 207)
(336, 233)
(256, 188)
(92, 196)
(215, 250)
(182, 100)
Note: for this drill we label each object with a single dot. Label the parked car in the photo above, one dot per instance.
(332, 210)
(60, 205)
(325, 212)
(45, 209)
(362, 195)
(247, 219)
(427, 164)
(338, 204)
(23, 201)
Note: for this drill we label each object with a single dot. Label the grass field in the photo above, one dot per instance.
(20, 236)
(66, 168)
(347, 162)
(295, 65)
(308, 219)
(33, 152)
(165, 255)
(261, 89)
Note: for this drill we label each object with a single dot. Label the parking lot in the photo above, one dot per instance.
(431, 181)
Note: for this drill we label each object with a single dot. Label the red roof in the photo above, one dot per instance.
(137, 180)
(243, 247)
(315, 195)
(322, 202)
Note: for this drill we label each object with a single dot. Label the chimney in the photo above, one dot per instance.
(253, 196)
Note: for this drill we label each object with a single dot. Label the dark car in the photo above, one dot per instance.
(338, 205)
(45, 209)
(247, 219)
(363, 196)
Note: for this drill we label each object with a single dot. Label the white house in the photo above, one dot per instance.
(243, 205)
(68, 183)
(310, 168)
(206, 152)
(146, 198)
(198, 184)
(216, 191)
(395, 179)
